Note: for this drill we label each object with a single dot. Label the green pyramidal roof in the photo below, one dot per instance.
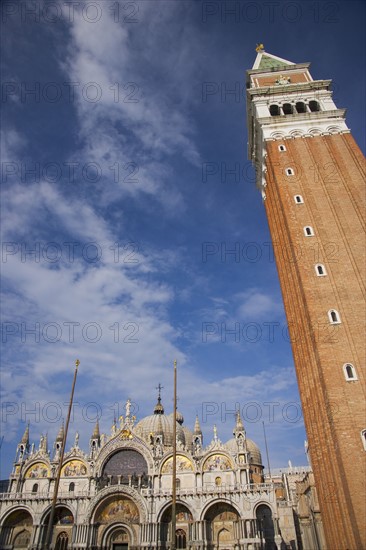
(268, 61)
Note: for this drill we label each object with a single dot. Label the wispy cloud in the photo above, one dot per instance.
(256, 304)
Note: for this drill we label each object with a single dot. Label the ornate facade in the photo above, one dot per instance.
(119, 494)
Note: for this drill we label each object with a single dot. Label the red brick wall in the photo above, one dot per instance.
(329, 174)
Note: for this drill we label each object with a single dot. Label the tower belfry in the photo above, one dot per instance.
(311, 175)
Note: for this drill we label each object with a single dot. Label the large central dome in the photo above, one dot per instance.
(159, 424)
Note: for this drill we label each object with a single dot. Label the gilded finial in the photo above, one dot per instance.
(77, 363)
(175, 362)
(259, 48)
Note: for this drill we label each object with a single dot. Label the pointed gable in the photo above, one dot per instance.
(268, 61)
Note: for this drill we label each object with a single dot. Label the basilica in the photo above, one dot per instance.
(118, 495)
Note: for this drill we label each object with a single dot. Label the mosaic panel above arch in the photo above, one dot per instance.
(118, 508)
(63, 516)
(74, 468)
(37, 471)
(183, 514)
(217, 462)
(184, 464)
(221, 511)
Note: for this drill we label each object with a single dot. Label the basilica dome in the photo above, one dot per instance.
(161, 424)
(253, 449)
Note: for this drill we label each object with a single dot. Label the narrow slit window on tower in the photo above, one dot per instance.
(274, 110)
(334, 317)
(320, 270)
(363, 436)
(290, 172)
(287, 109)
(299, 199)
(309, 231)
(349, 372)
(281, 148)
(314, 106)
(300, 107)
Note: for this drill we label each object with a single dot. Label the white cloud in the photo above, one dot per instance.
(134, 124)
(255, 304)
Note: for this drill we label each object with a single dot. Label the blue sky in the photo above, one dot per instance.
(116, 173)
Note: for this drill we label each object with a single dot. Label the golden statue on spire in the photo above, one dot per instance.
(259, 48)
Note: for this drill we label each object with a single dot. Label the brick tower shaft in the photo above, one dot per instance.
(311, 174)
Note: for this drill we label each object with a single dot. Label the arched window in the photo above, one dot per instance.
(349, 372)
(299, 199)
(281, 148)
(289, 172)
(21, 540)
(334, 317)
(180, 539)
(300, 107)
(62, 541)
(177, 484)
(314, 106)
(71, 487)
(308, 230)
(274, 110)
(218, 481)
(287, 109)
(320, 270)
(35, 488)
(363, 436)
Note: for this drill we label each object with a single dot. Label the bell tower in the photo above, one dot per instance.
(311, 175)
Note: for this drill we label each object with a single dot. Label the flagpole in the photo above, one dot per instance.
(174, 480)
(265, 441)
(57, 481)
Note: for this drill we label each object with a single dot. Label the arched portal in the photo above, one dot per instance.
(63, 523)
(116, 521)
(266, 526)
(184, 519)
(118, 539)
(16, 530)
(221, 524)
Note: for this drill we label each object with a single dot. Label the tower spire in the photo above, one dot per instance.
(61, 433)
(197, 427)
(96, 431)
(25, 438)
(23, 446)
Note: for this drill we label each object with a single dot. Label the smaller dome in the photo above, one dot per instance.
(188, 436)
(179, 417)
(253, 449)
